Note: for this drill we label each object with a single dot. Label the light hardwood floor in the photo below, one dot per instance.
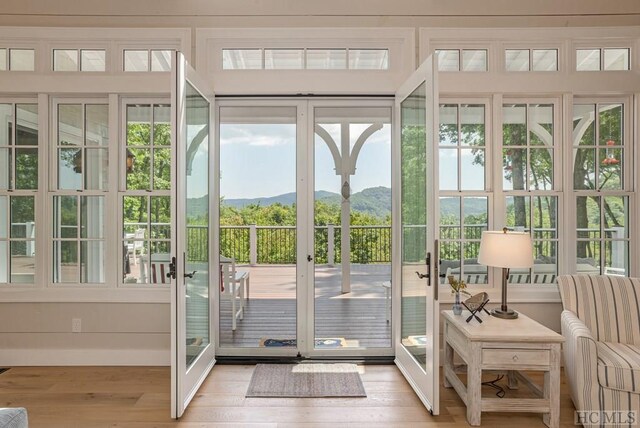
(139, 397)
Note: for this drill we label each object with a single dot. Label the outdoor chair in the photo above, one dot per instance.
(234, 286)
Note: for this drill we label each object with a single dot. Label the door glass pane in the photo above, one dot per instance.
(413, 148)
(258, 225)
(352, 220)
(197, 217)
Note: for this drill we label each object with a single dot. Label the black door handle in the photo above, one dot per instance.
(309, 258)
(172, 269)
(190, 275)
(422, 275)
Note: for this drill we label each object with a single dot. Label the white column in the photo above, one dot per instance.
(345, 218)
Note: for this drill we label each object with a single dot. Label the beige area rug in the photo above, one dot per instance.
(306, 380)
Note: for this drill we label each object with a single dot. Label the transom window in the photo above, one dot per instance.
(17, 59)
(608, 59)
(141, 60)
(79, 59)
(462, 59)
(531, 59)
(305, 58)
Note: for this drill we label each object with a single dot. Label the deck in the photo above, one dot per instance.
(358, 317)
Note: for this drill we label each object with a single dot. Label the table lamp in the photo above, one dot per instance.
(506, 250)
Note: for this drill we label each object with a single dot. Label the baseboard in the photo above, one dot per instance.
(84, 357)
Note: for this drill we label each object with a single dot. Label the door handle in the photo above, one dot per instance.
(190, 275)
(172, 269)
(423, 276)
(309, 258)
(436, 269)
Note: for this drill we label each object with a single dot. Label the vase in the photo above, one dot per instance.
(457, 307)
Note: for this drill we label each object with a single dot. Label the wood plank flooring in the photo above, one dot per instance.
(138, 397)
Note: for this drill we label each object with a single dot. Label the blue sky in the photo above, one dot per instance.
(258, 160)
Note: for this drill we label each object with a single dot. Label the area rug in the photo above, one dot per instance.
(330, 342)
(306, 380)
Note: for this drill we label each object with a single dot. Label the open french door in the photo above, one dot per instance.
(193, 285)
(415, 247)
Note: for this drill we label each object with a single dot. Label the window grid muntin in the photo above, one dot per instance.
(78, 239)
(528, 147)
(9, 239)
(83, 147)
(13, 146)
(602, 240)
(148, 193)
(597, 147)
(531, 198)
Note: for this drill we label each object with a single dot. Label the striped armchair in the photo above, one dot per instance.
(601, 326)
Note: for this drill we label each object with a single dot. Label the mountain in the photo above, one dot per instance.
(374, 200)
(472, 206)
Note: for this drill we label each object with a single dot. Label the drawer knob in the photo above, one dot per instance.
(515, 358)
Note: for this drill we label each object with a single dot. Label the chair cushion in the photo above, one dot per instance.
(13, 417)
(619, 366)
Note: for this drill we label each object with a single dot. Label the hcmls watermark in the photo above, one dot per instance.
(604, 418)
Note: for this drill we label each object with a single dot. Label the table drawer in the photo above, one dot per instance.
(515, 357)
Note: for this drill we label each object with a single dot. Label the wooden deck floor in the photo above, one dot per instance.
(139, 397)
(358, 317)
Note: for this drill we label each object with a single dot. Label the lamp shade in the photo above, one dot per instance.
(506, 249)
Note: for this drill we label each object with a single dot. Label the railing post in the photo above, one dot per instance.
(331, 249)
(253, 245)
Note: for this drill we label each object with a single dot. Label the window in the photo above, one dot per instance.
(608, 59)
(82, 177)
(531, 59)
(83, 60)
(472, 59)
(18, 180)
(528, 181)
(17, 59)
(302, 58)
(83, 147)
(464, 203)
(143, 60)
(602, 199)
(146, 201)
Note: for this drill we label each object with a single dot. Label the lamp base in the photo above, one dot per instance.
(509, 314)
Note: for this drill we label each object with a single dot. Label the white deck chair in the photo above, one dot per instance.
(232, 287)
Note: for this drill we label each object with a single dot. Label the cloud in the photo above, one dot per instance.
(257, 135)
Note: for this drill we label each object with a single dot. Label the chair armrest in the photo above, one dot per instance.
(581, 362)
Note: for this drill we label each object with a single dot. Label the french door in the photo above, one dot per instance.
(193, 323)
(416, 278)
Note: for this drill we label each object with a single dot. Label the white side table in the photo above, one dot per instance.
(503, 345)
